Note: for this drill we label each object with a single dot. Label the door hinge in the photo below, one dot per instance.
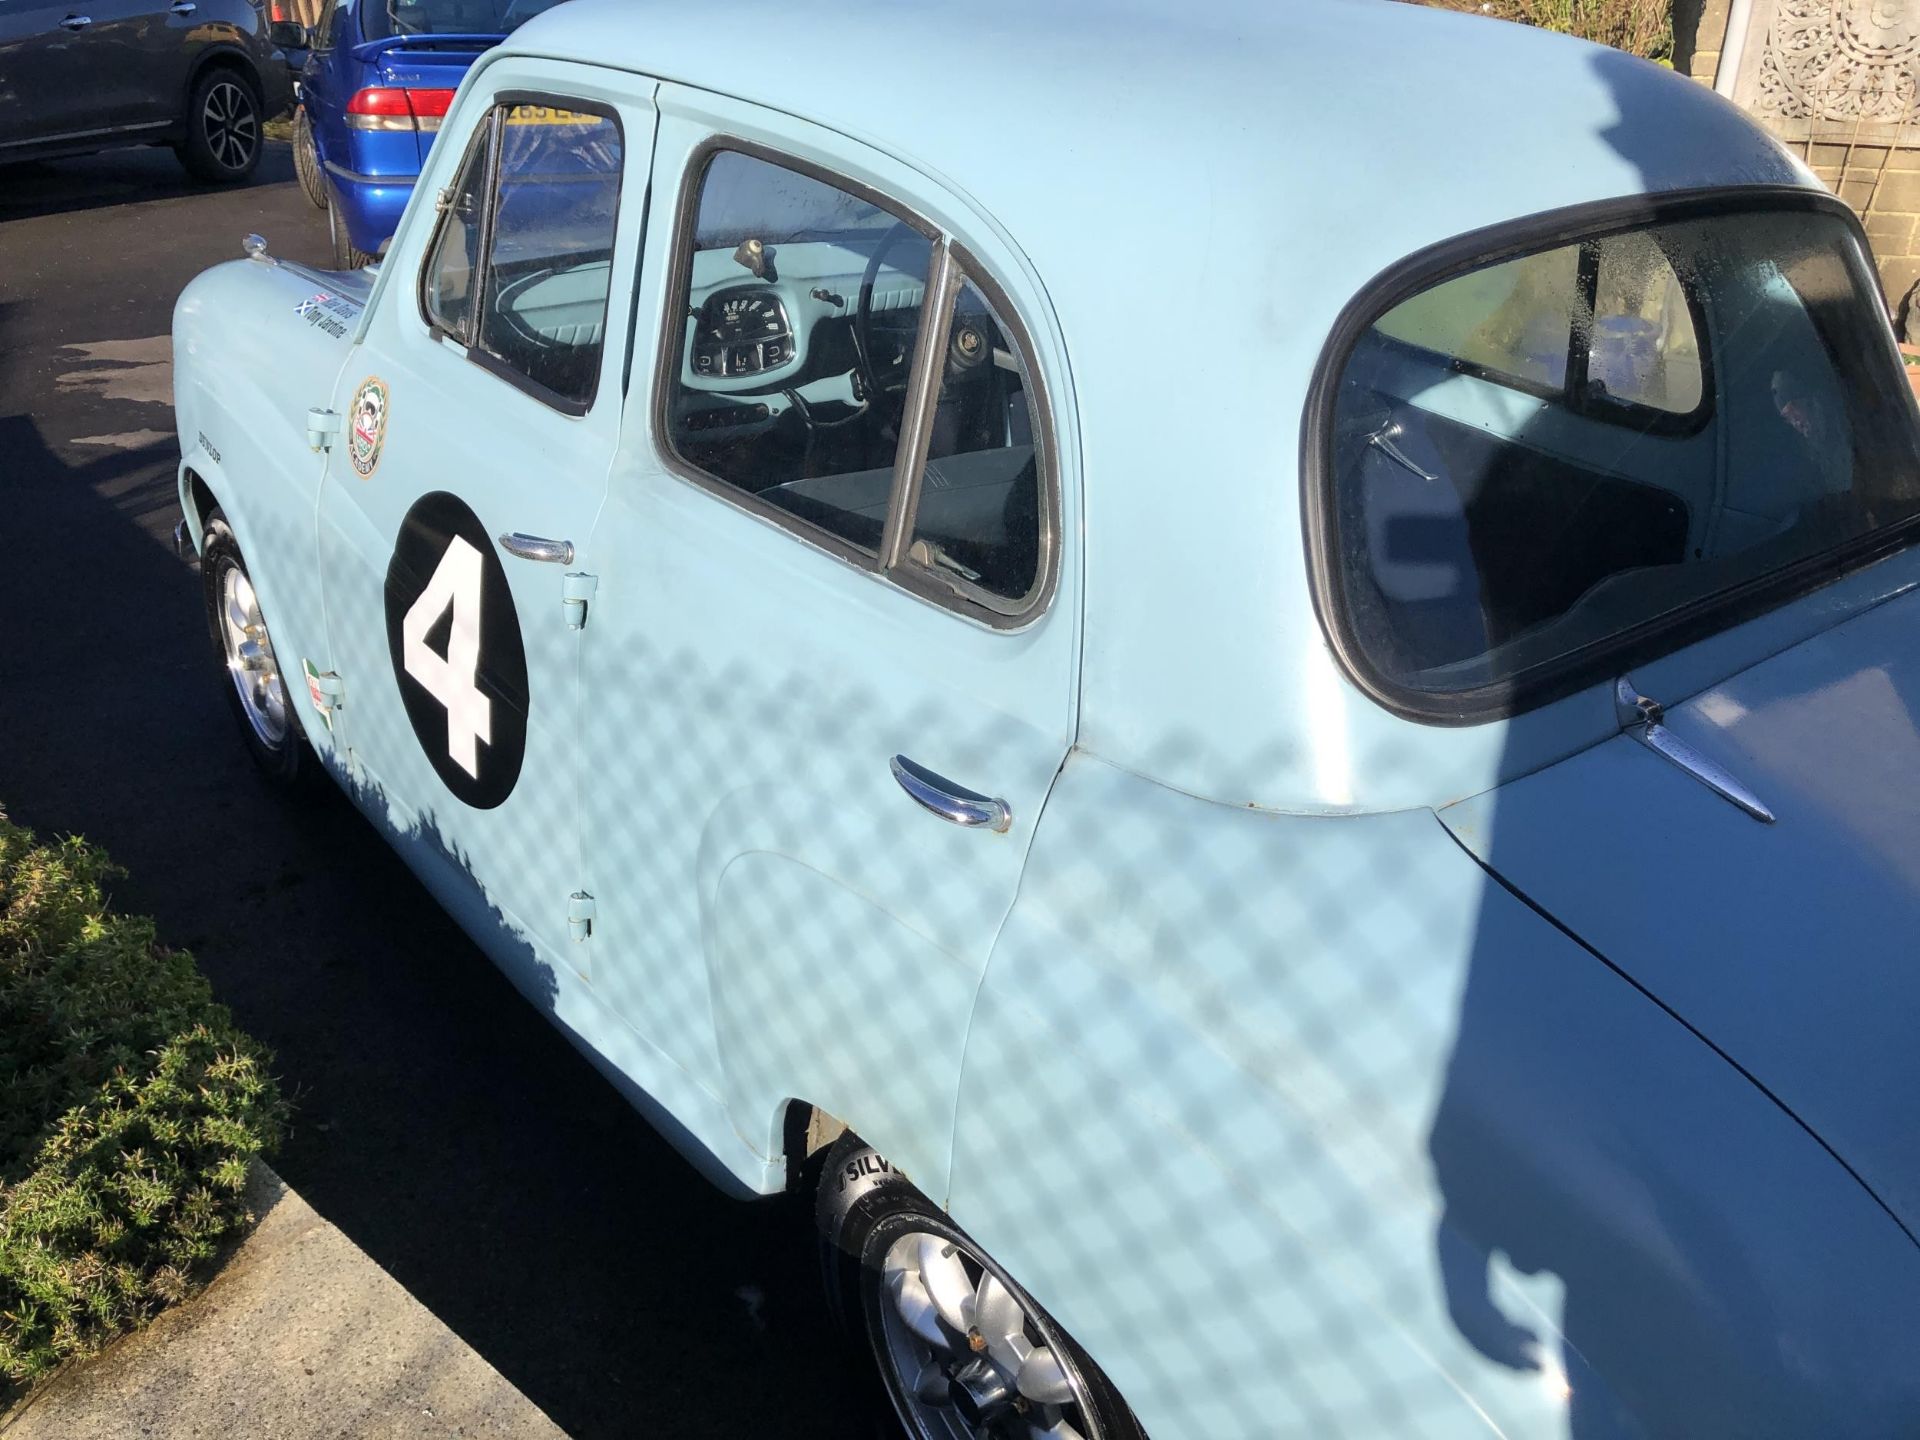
(322, 426)
(576, 590)
(579, 915)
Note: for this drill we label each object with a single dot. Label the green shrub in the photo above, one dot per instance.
(130, 1110)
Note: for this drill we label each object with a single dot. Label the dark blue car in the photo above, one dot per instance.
(373, 90)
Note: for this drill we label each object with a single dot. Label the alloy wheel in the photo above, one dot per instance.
(968, 1359)
(230, 124)
(251, 663)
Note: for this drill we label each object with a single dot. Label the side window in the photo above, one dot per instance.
(803, 306)
(977, 515)
(808, 373)
(452, 276)
(550, 265)
(540, 194)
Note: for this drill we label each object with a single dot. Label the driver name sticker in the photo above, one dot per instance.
(367, 426)
(329, 313)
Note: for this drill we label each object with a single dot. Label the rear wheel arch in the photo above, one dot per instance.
(225, 57)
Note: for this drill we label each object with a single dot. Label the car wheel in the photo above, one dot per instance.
(222, 129)
(345, 257)
(306, 160)
(256, 688)
(963, 1351)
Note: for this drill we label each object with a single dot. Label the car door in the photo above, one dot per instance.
(45, 56)
(820, 735)
(477, 423)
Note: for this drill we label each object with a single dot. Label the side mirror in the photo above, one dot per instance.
(289, 35)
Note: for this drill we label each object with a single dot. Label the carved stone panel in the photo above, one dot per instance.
(1850, 61)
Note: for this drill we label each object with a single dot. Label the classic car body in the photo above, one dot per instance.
(1330, 1051)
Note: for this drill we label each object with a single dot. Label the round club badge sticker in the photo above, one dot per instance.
(367, 426)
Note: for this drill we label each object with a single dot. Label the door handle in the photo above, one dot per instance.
(76, 22)
(953, 803)
(535, 547)
(183, 7)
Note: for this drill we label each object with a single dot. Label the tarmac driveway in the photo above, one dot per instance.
(441, 1124)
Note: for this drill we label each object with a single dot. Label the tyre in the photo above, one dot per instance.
(222, 142)
(256, 688)
(306, 160)
(345, 257)
(963, 1351)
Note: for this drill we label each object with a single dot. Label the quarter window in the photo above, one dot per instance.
(540, 192)
(452, 274)
(810, 376)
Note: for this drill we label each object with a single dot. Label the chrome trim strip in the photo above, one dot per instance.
(910, 457)
(1641, 718)
(86, 134)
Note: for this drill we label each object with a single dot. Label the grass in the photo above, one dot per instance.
(1641, 27)
(130, 1112)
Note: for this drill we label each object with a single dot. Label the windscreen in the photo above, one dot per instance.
(1581, 443)
(383, 19)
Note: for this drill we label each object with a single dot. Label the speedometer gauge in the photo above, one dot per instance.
(742, 331)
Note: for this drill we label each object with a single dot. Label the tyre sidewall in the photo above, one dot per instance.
(306, 159)
(864, 1206)
(291, 765)
(345, 257)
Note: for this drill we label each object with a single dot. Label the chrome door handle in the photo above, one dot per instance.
(183, 7)
(954, 803)
(76, 22)
(534, 547)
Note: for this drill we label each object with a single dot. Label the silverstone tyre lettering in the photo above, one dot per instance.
(457, 653)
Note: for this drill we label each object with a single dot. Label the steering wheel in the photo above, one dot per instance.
(884, 347)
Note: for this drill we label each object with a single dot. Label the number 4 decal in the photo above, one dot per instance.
(459, 659)
(455, 584)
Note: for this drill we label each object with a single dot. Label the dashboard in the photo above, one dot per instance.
(741, 331)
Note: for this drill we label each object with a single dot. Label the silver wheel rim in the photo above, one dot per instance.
(969, 1361)
(250, 659)
(228, 121)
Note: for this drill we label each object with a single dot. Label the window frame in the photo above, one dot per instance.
(950, 265)
(1608, 658)
(493, 129)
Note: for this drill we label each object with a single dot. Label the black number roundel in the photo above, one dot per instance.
(456, 648)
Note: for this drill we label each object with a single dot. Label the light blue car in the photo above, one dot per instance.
(1274, 647)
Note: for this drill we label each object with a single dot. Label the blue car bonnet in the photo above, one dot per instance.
(1787, 946)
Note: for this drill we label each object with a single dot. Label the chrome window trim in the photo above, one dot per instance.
(949, 263)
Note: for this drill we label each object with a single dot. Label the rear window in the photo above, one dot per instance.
(382, 19)
(1537, 464)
